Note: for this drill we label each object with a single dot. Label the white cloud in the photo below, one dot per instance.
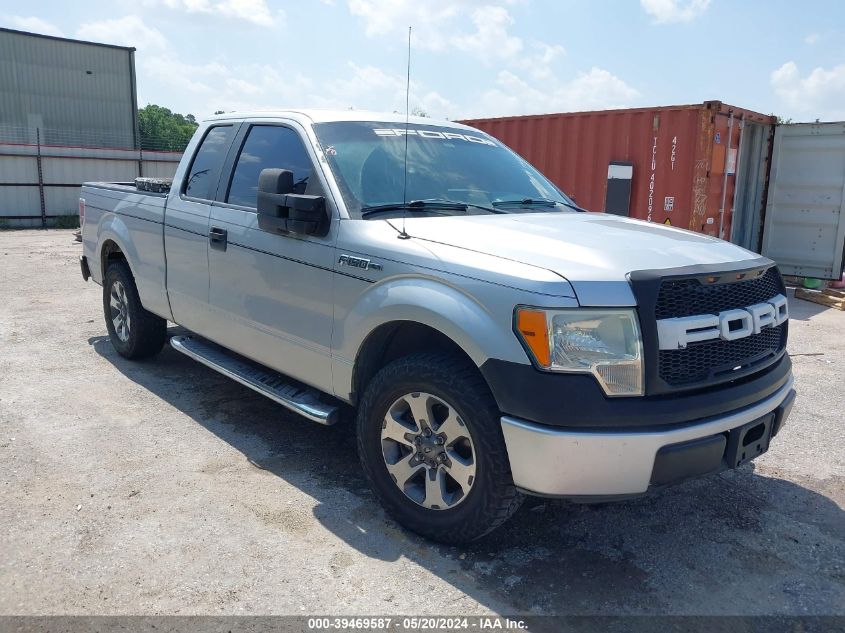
(527, 81)
(254, 11)
(31, 24)
(538, 64)
(429, 20)
(549, 52)
(371, 88)
(219, 86)
(491, 39)
(197, 79)
(668, 11)
(812, 38)
(478, 27)
(820, 94)
(129, 30)
(593, 90)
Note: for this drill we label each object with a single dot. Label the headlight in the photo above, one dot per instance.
(605, 343)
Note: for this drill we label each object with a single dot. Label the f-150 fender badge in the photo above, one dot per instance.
(358, 262)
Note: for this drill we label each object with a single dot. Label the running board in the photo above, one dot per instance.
(298, 398)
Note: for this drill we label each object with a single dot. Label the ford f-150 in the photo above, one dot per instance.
(490, 337)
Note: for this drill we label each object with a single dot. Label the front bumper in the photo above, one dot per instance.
(602, 464)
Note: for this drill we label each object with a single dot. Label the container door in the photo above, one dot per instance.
(752, 171)
(805, 221)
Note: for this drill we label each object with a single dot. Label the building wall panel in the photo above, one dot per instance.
(77, 93)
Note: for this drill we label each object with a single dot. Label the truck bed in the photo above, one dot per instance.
(123, 188)
(120, 210)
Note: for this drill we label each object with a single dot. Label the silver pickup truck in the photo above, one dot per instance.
(491, 338)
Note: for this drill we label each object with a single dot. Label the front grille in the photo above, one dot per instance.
(688, 297)
(701, 362)
(708, 362)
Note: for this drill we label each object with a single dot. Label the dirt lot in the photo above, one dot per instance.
(163, 488)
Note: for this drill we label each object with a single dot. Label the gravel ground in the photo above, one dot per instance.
(161, 487)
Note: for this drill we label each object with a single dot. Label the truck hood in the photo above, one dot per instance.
(585, 248)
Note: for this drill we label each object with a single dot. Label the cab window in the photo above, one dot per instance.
(270, 146)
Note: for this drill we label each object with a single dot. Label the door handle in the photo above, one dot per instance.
(217, 238)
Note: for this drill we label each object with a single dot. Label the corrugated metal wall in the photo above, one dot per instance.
(679, 157)
(68, 115)
(77, 93)
(63, 170)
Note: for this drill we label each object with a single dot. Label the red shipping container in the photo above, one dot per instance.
(684, 159)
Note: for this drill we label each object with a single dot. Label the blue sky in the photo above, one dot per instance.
(470, 58)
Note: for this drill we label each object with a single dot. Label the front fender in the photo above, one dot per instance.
(477, 316)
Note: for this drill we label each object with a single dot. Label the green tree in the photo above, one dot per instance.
(164, 130)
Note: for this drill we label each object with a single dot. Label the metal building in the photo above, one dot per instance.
(76, 93)
(68, 114)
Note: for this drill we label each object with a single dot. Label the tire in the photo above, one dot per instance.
(134, 332)
(440, 380)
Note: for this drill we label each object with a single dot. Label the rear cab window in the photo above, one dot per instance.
(202, 177)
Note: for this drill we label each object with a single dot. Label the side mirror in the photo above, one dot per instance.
(280, 211)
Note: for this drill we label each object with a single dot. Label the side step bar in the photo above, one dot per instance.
(298, 398)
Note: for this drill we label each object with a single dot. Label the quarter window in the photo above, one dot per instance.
(270, 146)
(207, 162)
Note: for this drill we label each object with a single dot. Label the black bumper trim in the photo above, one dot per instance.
(577, 401)
(676, 463)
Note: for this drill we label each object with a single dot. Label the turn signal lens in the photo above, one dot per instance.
(535, 332)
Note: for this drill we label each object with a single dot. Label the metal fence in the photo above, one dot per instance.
(24, 134)
(42, 170)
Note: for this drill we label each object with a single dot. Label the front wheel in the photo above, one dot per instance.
(431, 444)
(134, 332)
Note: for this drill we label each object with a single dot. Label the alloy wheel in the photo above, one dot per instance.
(119, 306)
(428, 451)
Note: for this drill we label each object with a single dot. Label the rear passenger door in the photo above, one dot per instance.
(271, 293)
(186, 229)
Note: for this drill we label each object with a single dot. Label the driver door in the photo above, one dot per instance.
(271, 293)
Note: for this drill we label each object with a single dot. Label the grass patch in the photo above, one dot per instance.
(69, 221)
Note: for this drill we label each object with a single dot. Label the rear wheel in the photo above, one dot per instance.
(431, 444)
(134, 332)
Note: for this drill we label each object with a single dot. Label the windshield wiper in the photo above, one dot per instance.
(573, 206)
(536, 202)
(413, 206)
(424, 205)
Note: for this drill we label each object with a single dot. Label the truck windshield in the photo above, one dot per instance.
(446, 165)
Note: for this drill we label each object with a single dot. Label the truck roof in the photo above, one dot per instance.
(317, 115)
